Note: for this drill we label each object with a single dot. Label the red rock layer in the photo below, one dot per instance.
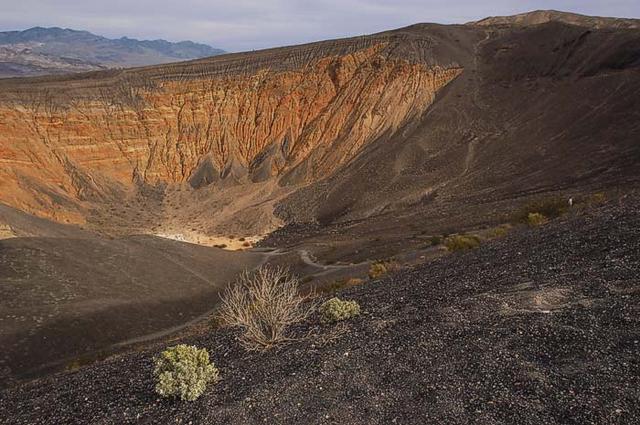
(56, 151)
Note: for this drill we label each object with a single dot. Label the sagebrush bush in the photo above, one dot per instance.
(461, 242)
(335, 309)
(264, 304)
(381, 267)
(183, 371)
(536, 219)
(377, 269)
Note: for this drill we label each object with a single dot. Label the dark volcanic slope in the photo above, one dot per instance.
(371, 145)
(69, 294)
(537, 109)
(543, 16)
(542, 326)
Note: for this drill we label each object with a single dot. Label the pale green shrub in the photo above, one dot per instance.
(335, 309)
(183, 371)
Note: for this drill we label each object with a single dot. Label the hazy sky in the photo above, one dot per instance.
(237, 25)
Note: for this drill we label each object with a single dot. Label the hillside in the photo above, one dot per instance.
(544, 16)
(42, 51)
(539, 327)
(69, 294)
(255, 119)
(443, 114)
(124, 189)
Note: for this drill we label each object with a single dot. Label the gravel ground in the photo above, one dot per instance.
(539, 327)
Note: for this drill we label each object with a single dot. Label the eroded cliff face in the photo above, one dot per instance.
(62, 149)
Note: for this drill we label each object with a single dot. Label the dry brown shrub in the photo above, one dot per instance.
(340, 284)
(536, 219)
(461, 242)
(264, 304)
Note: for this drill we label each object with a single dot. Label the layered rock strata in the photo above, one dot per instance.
(63, 147)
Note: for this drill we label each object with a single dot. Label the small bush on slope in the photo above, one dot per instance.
(264, 304)
(498, 232)
(597, 199)
(381, 267)
(550, 207)
(536, 219)
(461, 242)
(340, 284)
(335, 309)
(183, 371)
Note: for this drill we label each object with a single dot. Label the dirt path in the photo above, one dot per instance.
(471, 152)
(165, 332)
(307, 258)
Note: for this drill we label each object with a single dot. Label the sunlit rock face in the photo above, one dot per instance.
(87, 139)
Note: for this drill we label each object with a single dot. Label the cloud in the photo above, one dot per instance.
(251, 24)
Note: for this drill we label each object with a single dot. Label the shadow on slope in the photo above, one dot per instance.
(66, 297)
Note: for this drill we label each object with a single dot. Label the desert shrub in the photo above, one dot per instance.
(353, 281)
(549, 207)
(183, 371)
(334, 286)
(461, 242)
(536, 219)
(597, 198)
(341, 284)
(381, 267)
(498, 232)
(264, 304)
(435, 240)
(73, 365)
(335, 309)
(377, 269)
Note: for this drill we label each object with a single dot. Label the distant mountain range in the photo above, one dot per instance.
(41, 51)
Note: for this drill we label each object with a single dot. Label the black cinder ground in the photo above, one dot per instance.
(542, 326)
